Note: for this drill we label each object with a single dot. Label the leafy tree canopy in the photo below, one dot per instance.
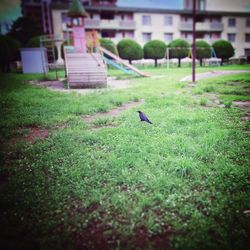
(24, 28)
(130, 50)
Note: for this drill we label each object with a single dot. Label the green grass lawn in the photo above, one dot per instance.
(181, 183)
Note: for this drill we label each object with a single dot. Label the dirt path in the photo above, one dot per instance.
(113, 112)
(213, 74)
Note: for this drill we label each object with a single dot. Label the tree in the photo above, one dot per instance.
(5, 53)
(154, 49)
(34, 42)
(130, 50)
(179, 48)
(14, 46)
(24, 28)
(109, 45)
(223, 49)
(203, 50)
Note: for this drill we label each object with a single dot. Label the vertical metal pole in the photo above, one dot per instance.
(193, 45)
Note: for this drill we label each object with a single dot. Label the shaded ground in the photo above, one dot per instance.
(101, 234)
(98, 235)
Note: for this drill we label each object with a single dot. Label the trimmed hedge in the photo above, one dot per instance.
(203, 50)
(154, 49)
(223, 49)
(130, 50)
(179, 48)
(109, 45)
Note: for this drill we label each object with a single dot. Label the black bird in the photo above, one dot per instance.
(143, 117)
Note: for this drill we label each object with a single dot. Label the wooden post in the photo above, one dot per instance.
(193, 45)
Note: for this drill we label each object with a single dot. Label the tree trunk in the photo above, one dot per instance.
(201, 62)
(221, 63)
(155, 62)
(130, 61)
(179, 62)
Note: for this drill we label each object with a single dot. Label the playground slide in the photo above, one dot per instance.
(118, 59)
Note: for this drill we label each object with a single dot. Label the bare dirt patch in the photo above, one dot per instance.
(246, 117)
(113, 112)
(100, 235)
(242, 104)
(52, 84)
(58, 85)
(213, 101)
(32, 135)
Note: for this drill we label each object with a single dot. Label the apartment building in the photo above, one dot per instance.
(224, 19)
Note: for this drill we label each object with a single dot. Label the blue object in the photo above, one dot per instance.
(119, 66)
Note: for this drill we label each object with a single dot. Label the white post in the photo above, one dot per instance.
(58, 42)
(168, 58)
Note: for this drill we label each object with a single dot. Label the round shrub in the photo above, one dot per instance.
(223, 49)
(130, 50)
(203, 50)
(108, 45)
(179, 48)
(154, 49)
(34, 42)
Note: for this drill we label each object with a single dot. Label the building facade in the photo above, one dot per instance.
(224, 19)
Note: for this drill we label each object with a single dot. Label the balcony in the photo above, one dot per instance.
(186, 26)
(110, 24)
(216, 26)
(201, 26)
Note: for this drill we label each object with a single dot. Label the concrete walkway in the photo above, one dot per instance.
(213, 74)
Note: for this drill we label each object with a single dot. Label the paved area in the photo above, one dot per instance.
(213, 74)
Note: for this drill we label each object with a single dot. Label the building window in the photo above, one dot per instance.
(168, 20)
(231, 22)
(231, 37)
(215, 36)
(248, 22)
(146, 20)
(247, 38)
(202, 5)
(247, 53)
(207, 36)
(187, 36)
(146, 37)
(129, 34)
(168, 37)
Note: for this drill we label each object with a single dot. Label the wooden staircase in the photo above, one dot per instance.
(85, 70)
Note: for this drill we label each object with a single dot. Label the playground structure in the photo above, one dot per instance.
(49, 42)
(212, 60)
(85, 61)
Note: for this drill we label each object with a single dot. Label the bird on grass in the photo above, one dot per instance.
(143, 117)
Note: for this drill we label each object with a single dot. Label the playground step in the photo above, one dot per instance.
(86, 70)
